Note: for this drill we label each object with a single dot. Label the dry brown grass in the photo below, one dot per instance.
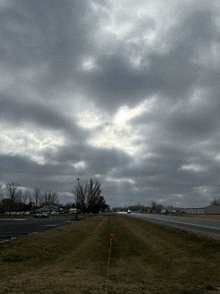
(145, 258)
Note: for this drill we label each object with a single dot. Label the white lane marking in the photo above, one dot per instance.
(50, 225)
(13, 219)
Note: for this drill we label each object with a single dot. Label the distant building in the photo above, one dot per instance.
(175, 209)
(72, 210)
(210, 209)
(48, 208)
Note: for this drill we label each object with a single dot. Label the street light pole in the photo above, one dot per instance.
(77, 200)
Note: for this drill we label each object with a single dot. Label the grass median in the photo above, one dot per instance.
(145, 258)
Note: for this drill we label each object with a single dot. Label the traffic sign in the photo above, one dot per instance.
(111, 236)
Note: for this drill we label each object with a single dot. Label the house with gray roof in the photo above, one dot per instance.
(48, 208)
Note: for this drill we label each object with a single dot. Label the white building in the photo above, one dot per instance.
(210, 209)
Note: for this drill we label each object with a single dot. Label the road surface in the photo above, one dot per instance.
(209, 227)
(13, 228)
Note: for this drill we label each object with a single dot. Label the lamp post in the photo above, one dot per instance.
(77, 200)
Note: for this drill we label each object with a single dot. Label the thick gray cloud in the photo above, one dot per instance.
(16, 112)
(124, 92)
(172, 73)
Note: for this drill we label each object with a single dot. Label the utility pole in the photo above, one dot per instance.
(77, 200)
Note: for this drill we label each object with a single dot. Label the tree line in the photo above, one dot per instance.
(88, 198)
(23, 200)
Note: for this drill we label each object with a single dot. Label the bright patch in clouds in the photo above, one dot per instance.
(90, 120)
(89, 64)
(193, 167)
(112, 136)
(119, 133)
(79, 165)
(30, 142)
(124, 113)
(120, 181)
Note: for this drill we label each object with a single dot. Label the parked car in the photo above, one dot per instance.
(53, 212)
(44, 214)
(72, 210)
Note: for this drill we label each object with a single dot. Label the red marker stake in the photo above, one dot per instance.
(111, 238)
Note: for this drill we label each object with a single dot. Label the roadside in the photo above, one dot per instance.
(30, 216)
(204, 226)
(210, 216)
(15, 227)
(145, 258)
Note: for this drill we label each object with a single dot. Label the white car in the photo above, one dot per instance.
(129, 211)
(44, 214)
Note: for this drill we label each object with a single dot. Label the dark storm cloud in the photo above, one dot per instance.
(114, 82)
(44, 31)
(58, 171)
(15, 112)
(97, 160)
(102, 2)
(174, 170)
(102, 160)
(31, 175)
(24, 171)
(193, 126)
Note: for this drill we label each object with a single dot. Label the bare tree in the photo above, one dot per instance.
(94, 193)
(68, 205)
(55, 198)
(36, 196)
(153, 205)
(88, 197)
(1, 192)
(216, 201)
(156, 206)
(41, 199)
(51, 197)
(14, 193)
(25, 196)
(29, 196)
(80, 193)
(19, 197)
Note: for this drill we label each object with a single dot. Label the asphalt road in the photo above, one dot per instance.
(13, 228)
(209, 227)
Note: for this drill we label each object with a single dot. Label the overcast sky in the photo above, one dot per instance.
(126, 92)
